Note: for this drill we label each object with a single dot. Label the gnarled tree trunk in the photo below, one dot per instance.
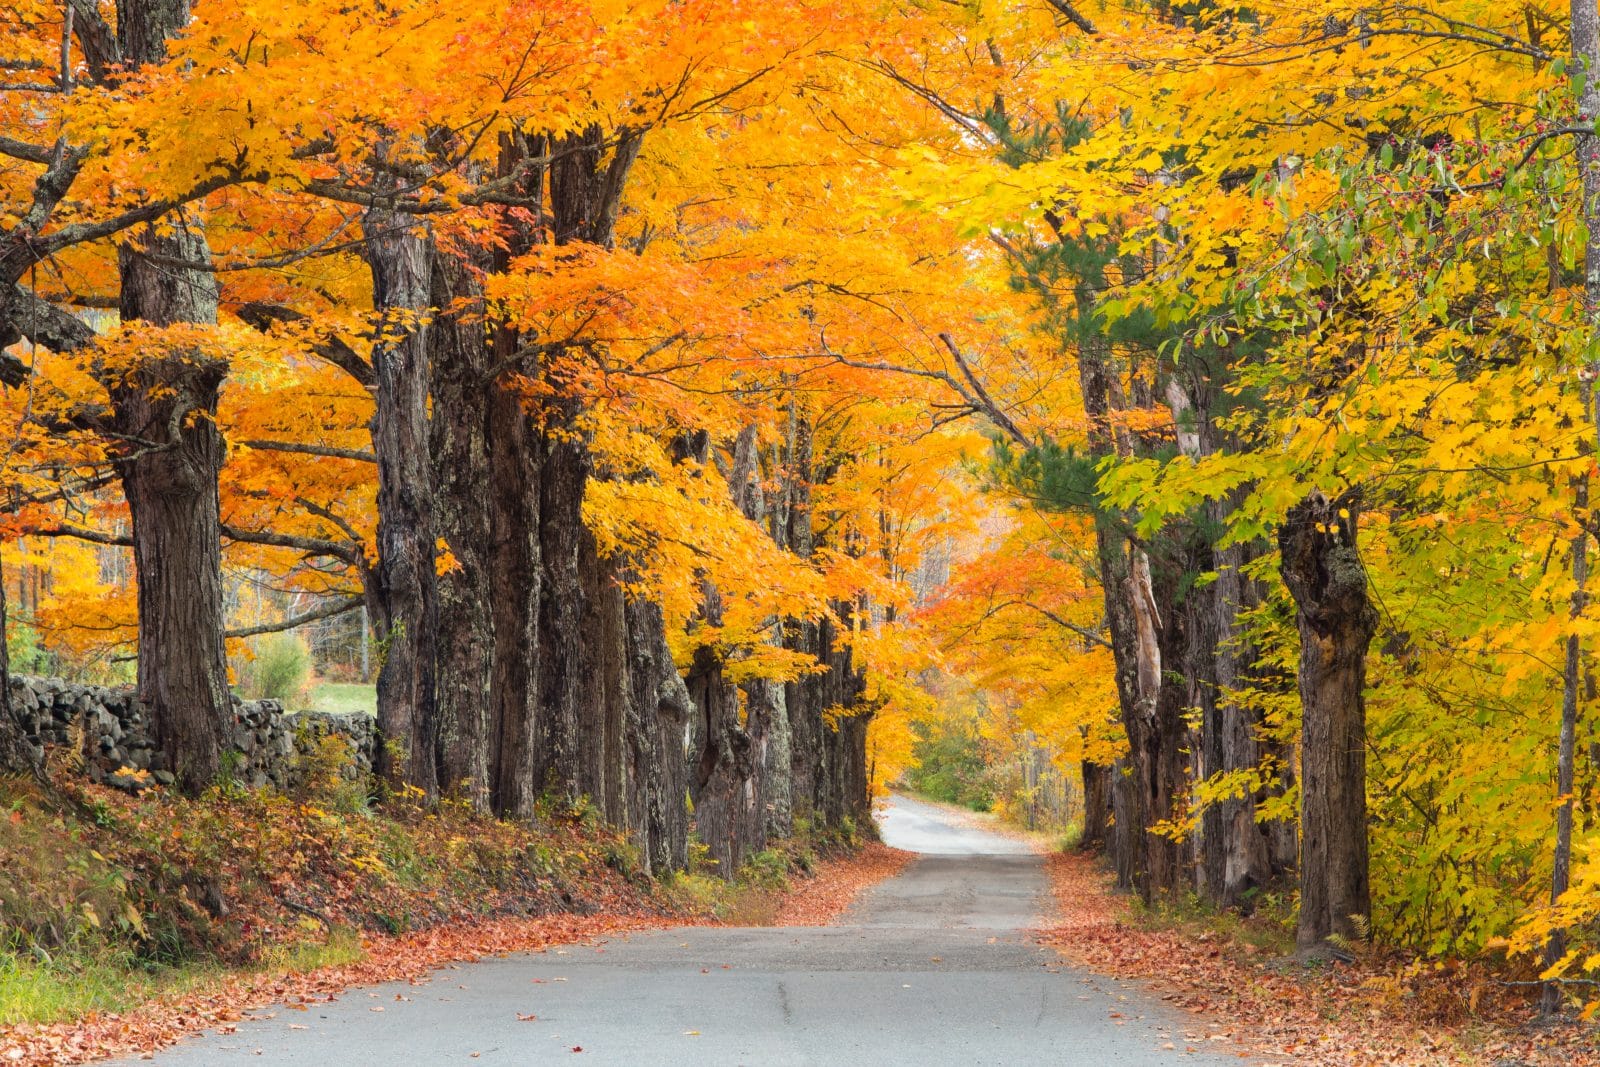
(1336, 619)
(405, 608)
(518, 581)
(166, 407)
(658, 712)
(563, 606)
(464, 644)
(516, 461)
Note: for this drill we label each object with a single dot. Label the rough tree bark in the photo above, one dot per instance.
(827, 752)
(405, 613)
(464, 644)
(586, 179)
(602, 771)
(1336, 619)
(514, 555)
(171, 488)
(563, 607)
(658, 713)
(1233, 849)
(742, 730)
(166, 407)
(1096, 806)
(518, 581)
(1144, 784)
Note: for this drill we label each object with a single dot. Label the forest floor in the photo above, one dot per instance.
(130, 922)
(1235, 982)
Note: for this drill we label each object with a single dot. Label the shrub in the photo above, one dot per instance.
(24, 650)
(279, 668)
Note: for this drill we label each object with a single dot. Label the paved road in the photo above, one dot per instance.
(933, 967)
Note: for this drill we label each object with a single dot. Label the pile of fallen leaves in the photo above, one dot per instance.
(1372, 1011)
(836, 882)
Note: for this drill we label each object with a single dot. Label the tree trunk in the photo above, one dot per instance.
(1323, 572)
(602, 771)
(515, 564)
(1233, 853)
(1158, 736)
(724, 766)
(769, 701)
(1236, 857)
(563, 606)
(17, 752)
(518, 581)
(658, 712)
(1585, 18)
(1154, 774)
(406, 613)
(586, 180)
(458, 447)
(168, 404)
(1096, 806)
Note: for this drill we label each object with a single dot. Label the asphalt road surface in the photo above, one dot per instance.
(935, 966)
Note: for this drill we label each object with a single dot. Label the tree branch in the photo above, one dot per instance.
(99, 537)
(24, 315)
(1001, 419)
(311, 450)
(311, 546)
(327, 611)
(263, 316)
(1082, 631)
(1074, 16)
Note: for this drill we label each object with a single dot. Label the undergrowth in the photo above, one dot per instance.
(752, 897)
(108, 899)
(1267, 930)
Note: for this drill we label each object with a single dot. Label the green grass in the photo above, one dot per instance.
(71, 984)
(340, 696)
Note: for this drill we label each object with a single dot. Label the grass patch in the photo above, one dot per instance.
(341, 948)
(341, 697)
(73, 983)
(58, 988)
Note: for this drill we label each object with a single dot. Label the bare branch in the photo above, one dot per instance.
(1082, 631)
(327, 611)
(99, 537)
(993, 410)
(311, 546)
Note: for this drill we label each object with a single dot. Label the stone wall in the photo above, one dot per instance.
(265, 743)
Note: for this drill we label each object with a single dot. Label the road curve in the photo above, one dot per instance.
(935, 966)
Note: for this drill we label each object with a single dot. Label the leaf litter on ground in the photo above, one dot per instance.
(1366, 1013)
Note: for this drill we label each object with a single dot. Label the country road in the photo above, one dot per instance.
(934, 966)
